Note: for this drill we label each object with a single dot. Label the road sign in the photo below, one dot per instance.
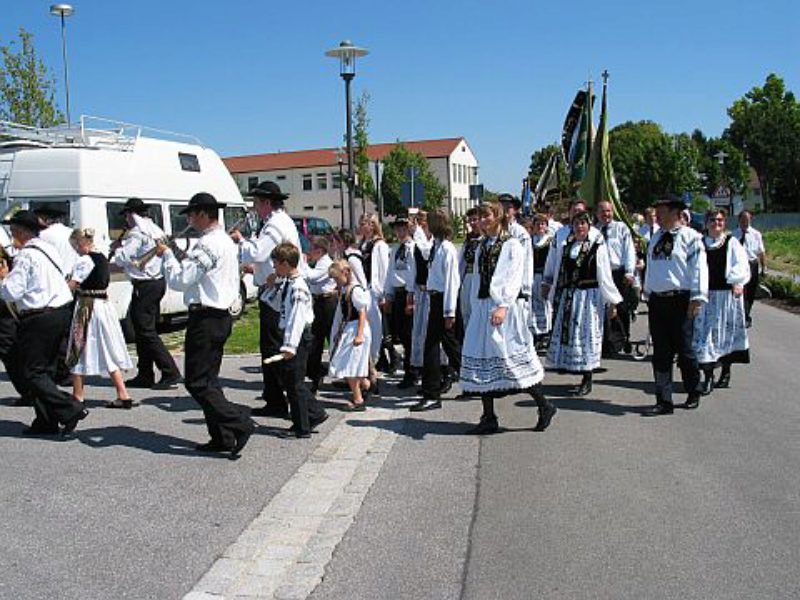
(476, 191)
(419, 194)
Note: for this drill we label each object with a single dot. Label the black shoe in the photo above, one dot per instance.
(211, 446)
(72, 423)
(546, 415)
(124, 403)
(447, 385)
(426, 404)
(314, 423)
(140, 382)
(486, 426)
(292, 432)
(585, 388)
(406, 382)
(724, 380)
(167, 382)
(269, 411)
(40, 430)
(692, 401)
(241, 442)
(707, 386)
(660, 408)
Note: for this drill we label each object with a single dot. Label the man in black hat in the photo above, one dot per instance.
(676, 285)
(56, 233)
(279, 228)
(209, 280)
(148, 290)
(36, 285)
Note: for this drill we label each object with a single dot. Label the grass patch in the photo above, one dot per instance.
(243, 340)
(783, 288)
(783, 250)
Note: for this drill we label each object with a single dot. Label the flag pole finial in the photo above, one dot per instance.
(605, 76)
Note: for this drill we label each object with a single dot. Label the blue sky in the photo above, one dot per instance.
(248, 76)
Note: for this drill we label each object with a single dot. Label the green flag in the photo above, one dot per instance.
(583, 144)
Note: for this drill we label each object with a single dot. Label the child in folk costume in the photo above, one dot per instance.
(398, 279)
(466, 262)
(96, 344)
(324, 294)
(351, 335)
(498, 355)
(417, 300)
(348, 248)
(720, 329)
(584, 286)
(442, 287)
(541, 307)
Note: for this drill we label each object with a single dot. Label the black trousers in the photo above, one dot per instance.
(145, 309)
(37, 362)
(324, 312)
(302, 404)
(671, 329)
(437, 335)
(617, 331)
(751, 288)
(9, 350)
(270, 340)
(206, 333)
(401, 326)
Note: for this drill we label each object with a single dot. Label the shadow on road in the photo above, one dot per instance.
(131, 437)
(603, 407)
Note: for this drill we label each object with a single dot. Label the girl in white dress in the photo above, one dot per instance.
(498, 356)
(584, 286)
(375, 253)
(720, 330)
(351, 335)
(96, 344)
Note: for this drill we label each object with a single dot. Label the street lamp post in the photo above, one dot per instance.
(347, 53)
(340, 160)
(63, 11)
(721, 156)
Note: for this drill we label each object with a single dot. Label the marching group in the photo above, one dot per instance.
(478, 315)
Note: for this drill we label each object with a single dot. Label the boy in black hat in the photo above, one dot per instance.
(676, 285)
(209, 280)
(148, 290)
(398, 279)
(36, 285)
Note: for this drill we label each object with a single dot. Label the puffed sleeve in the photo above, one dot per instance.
(357, 268)
(605, 279)
(183, 275)
(553, 259)
(82, 269)
(260, 249)
(697, 266)
(452, 282)
(361, 298)
(295, 324)
(508, 275)
(380, 268)
(15, 285)
(738, 271)
(132, 247)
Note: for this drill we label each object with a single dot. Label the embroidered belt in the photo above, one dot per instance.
(193, 308)
(102, 294)
(324, 295)
(670, 293)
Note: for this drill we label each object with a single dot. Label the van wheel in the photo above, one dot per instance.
(238, 306)
(127, 329)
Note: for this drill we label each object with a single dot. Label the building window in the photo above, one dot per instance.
(251, 183)
(308, 183)
(336, 181)
(281, 178)
(322, 181)
(322, 207)
(455, 173)
(308, 208)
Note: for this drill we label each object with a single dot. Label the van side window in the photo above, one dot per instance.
(237, 215)
(117, 223)
(189, 162)
(63, 206)
(180, 222)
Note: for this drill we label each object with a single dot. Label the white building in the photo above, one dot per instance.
(312, 177)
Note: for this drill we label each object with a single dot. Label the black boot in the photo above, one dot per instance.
(546, 409)
(724, 380)
(488, 423)
(708, 382)
(586, 385)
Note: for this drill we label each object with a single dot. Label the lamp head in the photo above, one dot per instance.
(61, 10)
(347, 54)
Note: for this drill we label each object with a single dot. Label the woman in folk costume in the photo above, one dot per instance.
(375, 253)
(351, 335)
(584, 286)
(720, 331)
(96, 344)
(347, 249)
(498, 356)
(418, 302)
(541, 307)
(466, 262)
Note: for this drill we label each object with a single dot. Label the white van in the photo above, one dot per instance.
(93, 167)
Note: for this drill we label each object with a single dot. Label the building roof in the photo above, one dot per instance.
(326, 157)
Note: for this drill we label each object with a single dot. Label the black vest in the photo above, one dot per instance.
(470, 250)
(487, 262)
(583, 276)
(366, 252)
(717, 259)
(539, 257)
(422, 267)
(100, 276)
(349, 312)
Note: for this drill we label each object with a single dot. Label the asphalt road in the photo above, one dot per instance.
(605, 504)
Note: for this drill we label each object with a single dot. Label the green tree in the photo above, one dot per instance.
(733, 172)
(365, 188)
(539, 161)
(765, 125)
(27, 89)
(395, 167)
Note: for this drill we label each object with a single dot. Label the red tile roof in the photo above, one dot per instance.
(326, 157)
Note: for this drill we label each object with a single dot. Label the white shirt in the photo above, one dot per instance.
(521, 234)
(319, 281)
(619, 244)
(443, 274)
(379, 266)
(506, 283)
(297, 312)
(36, 282)
(400, 267)
(355, 259)
(647, 231)
(57, 235)
(278, 229)
(685, 268)
(553, 226)
(753, 242)
(140, 239)
(209, 275)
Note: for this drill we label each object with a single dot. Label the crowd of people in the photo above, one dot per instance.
(479, 315)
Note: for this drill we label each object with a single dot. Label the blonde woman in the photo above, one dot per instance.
(96, 344)
(375, 255)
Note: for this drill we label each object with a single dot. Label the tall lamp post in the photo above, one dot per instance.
(340, 159)
(64, 11)
(347, 54)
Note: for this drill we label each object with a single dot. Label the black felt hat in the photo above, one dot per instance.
(268, 189)
(26, 219)
(134, 205)
(671, 201)
(48, 209)
(201, 201)
(510, 199)
(400, 220)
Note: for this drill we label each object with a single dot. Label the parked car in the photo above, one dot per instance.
(309, 227)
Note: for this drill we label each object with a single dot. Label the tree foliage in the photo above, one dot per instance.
(733, 172)
(765, 125)
(395, 167)
(365, 188)
(27, 89)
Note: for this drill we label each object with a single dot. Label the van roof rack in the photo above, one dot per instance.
(89, 132)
